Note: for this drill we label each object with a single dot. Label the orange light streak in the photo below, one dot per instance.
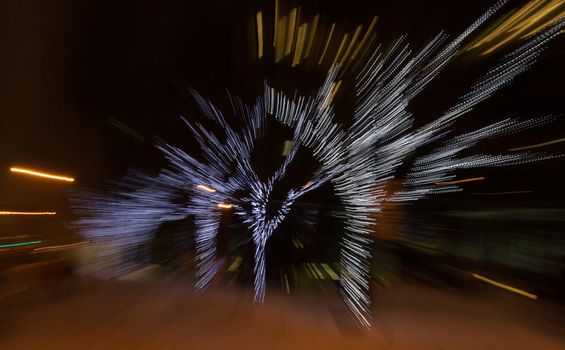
(206, 188)
(41, 174)
(27, 213)
(459, 181)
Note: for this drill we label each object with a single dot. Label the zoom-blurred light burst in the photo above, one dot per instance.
(357, 160)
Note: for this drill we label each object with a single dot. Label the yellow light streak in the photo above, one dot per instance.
(505, 286)
(519, 24)
(365, 38)
(327, 44)
(307, 269)
(206, 188)
(290, 31)
(311, 36)
(506, 24)
(27, 213)
(351, 44)
(343, 40)
(330, 272)
(545, 24)
(300, 37)
(275, 23)
(41, 174)
(330, 98)
(259, 18)
(364, 52)
(235, 264)
(315, 268)
(224, 205)
(281, 35)
(297, 243)
(518, 31)
(460, 181)
(313, 272)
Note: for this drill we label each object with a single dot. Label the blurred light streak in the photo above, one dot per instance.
(306, 185)
(317, 270)
(313, 272)
(460, 181)
(502, 193)
(41, 174)
(341, 46)
(351, 44)
(275, 24)
(294, 243)
(308, 272)
(259, 18)
(366, 36)
(537, 145)
(327, 44)
(290, 31)
(126, 129)
(281, 38)
(505, 286)
(287, 146)
(333, 90)
(224, 205)
(28, 212)
(519, 24)
(206, 188)
(60, 247)
(19, 244)
(330, 272)
(312, 36)
(13, 290)
(235, 264)
(13, 237)
(301, 36)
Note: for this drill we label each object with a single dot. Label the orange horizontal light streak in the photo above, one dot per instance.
(460, 181)
(41, 174)
(224, 205)
(206, 188)
(27, 213)
(60, 247)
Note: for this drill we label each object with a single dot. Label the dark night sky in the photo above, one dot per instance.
(67, 66)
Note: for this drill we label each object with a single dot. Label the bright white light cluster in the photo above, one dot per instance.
(358, 159)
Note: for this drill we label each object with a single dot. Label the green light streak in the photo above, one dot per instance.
(19, 244)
